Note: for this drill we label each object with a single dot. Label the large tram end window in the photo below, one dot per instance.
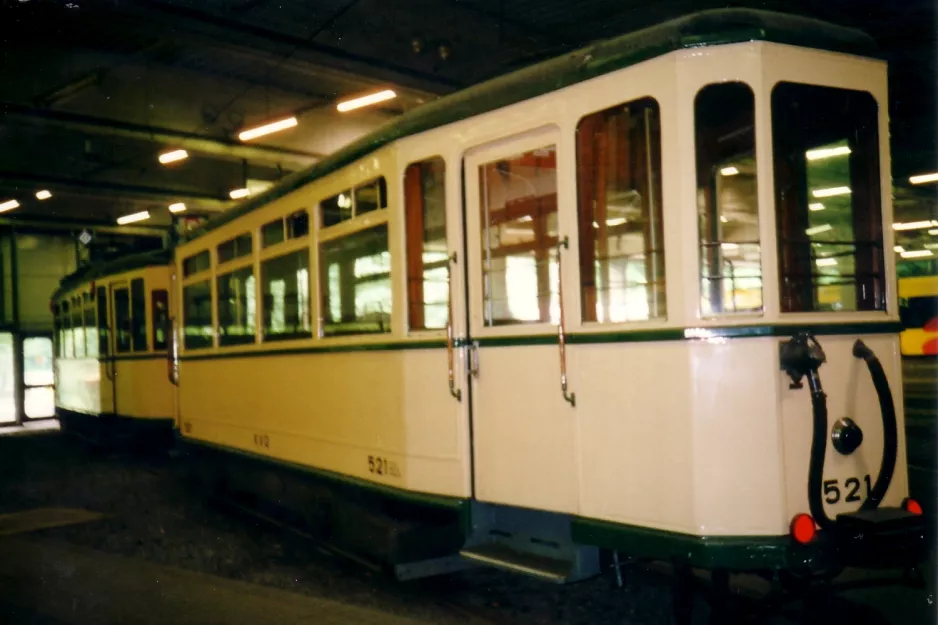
(122, 321)
(237, 307)
(138, 315)
(101, 299)
(519, 238)
(727, 200)
(827, 199)
(159, 312)
(619, 213)
(356, 283)
(285, 287)
(427, 256)
(197, 315)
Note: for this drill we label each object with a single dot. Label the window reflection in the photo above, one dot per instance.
(519, 238)
(727, 200)
(357, 270)
(621, 234)
(828, 199)
(237, 307)
(285, 287)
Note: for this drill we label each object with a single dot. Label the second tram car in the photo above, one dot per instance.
(111, 329)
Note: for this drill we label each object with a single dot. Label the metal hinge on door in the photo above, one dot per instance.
(474, 359)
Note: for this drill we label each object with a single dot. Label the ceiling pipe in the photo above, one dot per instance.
(29, 182)
(11, 112)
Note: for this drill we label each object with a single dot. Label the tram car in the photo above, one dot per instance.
(918, 301)
(632, 300)
(111, 338)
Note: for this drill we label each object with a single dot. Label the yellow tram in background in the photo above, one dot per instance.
(918, 301)
(111, 337)
(631, 300)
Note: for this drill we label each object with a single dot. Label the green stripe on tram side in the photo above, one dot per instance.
(737, 553)
(581, 338)
(460, 506)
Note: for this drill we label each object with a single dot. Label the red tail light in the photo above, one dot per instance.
(803, 529)
(912, 506)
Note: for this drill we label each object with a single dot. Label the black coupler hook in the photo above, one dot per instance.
(800, 356)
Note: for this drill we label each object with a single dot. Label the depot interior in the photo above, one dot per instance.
(125, 125)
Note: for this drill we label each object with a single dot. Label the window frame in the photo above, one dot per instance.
(415, 265)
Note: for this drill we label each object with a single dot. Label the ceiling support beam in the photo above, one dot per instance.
(29, 182)
(11, 112)
(203, 24)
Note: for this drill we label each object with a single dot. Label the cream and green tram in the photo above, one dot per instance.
(634, 298)
(111, 334)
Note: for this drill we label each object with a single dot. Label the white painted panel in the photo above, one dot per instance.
(633, 417)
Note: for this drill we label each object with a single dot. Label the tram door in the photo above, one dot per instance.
(120, 335)
(524, 434)
(104, 319)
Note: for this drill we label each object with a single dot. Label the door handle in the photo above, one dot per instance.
(561, 335)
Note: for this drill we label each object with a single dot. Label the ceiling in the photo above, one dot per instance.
(91, 91)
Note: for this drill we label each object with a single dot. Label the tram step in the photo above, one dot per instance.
(504, 557)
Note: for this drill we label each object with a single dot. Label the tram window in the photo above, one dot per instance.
(102, 321)
(91, 331)
(827, 194)
(336, 209)
(917, 312)
(138, 315)
(196, 263)
(298, 224)
(518, 202)
(57, 329)
(272, 233)
(727, 200)
(78, 328)
(285, 288)
(427, 255)
(197, 315)
(370, 197)
(621, 232)
(159, 312)
(122, 321)
(235, 248)
(356, 283)
(236, 307)
(68, 349)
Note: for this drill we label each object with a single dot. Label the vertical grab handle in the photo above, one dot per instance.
(561, 335)
(450, 349)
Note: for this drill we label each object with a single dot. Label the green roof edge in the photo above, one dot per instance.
(705, 28)
(104, 269)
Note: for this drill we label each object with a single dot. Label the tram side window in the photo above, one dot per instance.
(197, 315)
(297, 224)
(68, 349)
(356, 283)
(727, 200)
(196, 263)
(621, 232)
(138, 299)
(102, 321)
(518, 204)
(272, 233)
(91, 330)
(827, 195)
(235, 248)
(159, 305)
(78, 328)
(427, 256)
(122, 321)
(237, 307)
(285, 288)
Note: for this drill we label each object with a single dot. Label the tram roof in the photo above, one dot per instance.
(107, 268)
(705, 28)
